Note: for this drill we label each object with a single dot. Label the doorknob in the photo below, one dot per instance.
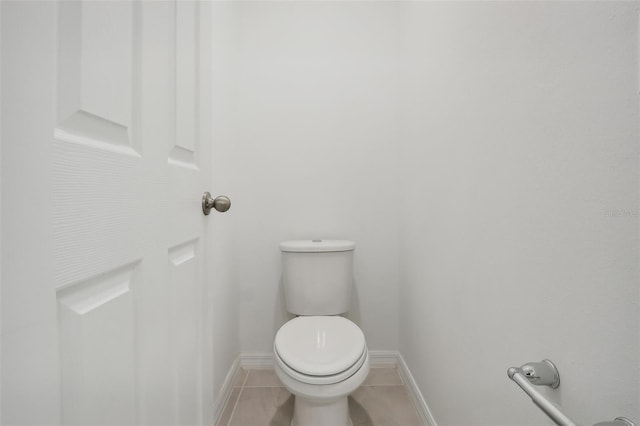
(220, 203)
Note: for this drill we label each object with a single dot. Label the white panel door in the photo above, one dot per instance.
(104, 162)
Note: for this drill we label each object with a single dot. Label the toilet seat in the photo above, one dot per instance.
(320, 349)
(322, 380)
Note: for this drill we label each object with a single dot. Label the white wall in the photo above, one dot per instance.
(484, 157)
(520, 215)
(307, 132)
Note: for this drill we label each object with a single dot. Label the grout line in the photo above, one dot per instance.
(264, 386)
(235, 405)
(227, 404)
(244, 382)
(383, 384)
(400, 375)
(279, 385)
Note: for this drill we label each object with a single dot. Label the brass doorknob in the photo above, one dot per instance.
(220, 203)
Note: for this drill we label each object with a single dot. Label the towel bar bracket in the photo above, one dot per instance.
(545, 373)
(619, 421)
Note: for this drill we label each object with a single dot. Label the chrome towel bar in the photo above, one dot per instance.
(545, 373)
(542, 373)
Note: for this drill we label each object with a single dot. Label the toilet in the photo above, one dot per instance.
(320, 356)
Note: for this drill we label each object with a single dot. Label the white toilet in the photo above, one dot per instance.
(320, 356)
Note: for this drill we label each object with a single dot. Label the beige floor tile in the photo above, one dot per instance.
(383, 376)
(262, 378)
(263, 401)
(383, 406)
(238, 381)
(263, 407)
(228, 408)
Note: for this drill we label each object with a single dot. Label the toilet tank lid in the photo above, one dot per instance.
(315, 246)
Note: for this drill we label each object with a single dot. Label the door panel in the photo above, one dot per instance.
(125, 233)
(183, 148)
(186, 248)
(98, 71)
(30, 366)
(98, 215)
(185, 330)
(97, 349)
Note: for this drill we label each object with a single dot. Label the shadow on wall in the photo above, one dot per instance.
(354, 313)
(281, 315)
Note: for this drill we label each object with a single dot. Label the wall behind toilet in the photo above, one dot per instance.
(508, 134)
(305, 123)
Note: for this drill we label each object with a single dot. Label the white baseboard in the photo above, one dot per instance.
(383, 359)
(225, 391)
(256, 360)
(261, 360)
(414, 391)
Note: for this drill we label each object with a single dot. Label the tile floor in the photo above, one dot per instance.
(259, 399)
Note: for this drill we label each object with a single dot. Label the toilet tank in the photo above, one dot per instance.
(317, 276)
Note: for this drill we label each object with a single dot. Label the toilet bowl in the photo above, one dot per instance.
(321, 360)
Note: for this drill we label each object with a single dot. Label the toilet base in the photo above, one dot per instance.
(321, 405)
(311, 413)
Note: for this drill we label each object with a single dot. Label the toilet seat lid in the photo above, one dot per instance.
(320, 345)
